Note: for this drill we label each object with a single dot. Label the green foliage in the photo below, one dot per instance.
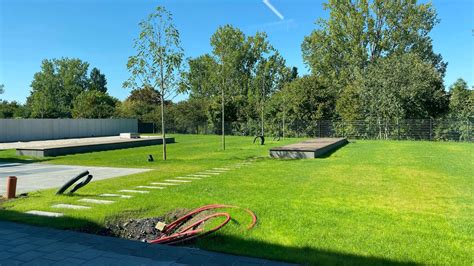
(240, 75)
(97, 81)
(461, 105)
(157, 63)
(94, 104)
(143, 104)
(57, 85)
(12, 110)
(402, 87)
(360, 32)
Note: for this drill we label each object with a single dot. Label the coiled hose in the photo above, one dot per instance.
(170, 235)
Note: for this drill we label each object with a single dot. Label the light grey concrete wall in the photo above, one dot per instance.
(12, 130)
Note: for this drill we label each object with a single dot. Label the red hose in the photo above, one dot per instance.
(169, 236)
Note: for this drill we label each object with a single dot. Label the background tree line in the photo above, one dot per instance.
(369, 60)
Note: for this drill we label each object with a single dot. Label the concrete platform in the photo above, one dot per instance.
(308, 149)
(35, 176)
(97, 144)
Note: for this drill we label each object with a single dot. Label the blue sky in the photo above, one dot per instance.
(101, 32)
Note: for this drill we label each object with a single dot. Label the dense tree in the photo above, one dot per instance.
(300, 103)
(12, 110)
(2, 88)
(56, 86)
(200, 80)
(402, 87)
(97, 81)
(360, 32)
(143, 104)
(461, 104)
(190, 116)
(158, 59)
(94, 104)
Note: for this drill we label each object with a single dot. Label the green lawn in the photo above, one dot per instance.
(382, 202)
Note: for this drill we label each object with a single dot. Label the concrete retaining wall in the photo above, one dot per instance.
(12, 130)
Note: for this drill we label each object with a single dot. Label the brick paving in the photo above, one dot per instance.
(22, 244)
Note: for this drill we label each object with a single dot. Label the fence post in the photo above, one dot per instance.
(398, 129)
(431, 129)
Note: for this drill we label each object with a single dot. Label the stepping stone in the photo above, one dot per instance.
(116, 195)
(150, 187)
(178, 181)
(47, 214)
(95, 201)
(188, 177)
(222, 169)
(134, 191)
(199, 175)
(70, 206)
(210, 173)
(216, 171)
(164, 184)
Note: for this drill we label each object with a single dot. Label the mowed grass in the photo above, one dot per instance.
(378, 202)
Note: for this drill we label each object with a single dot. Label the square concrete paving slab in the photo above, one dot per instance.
(150, 187)
(95, 201)
(116, 195)
(188, 177)
(134, 191)
(164, 184)
(178, 181)
(47, 214)
(70, 206)
(35, 176)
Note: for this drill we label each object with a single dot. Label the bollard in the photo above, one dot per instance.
(11, 187)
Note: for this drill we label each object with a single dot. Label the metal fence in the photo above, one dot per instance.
(408, 129)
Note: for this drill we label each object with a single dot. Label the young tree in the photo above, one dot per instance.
(158, 59)
(97, 81)
(228, 47)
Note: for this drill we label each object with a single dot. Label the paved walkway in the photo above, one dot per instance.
(35, 176)
(29, 245)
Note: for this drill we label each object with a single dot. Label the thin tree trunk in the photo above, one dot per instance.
(163, 133)
(263, 104)
(223, 122)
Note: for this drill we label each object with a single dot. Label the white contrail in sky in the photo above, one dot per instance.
(269, 5)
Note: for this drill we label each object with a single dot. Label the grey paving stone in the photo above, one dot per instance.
(76, 247)
(29, 255)
(61, 247)
(39, 262)
(51, 247)
(22, 248)
(88, 254)
(195, 259)
(70, 261)
(59, 255)
(10, 262)
(7, 254)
